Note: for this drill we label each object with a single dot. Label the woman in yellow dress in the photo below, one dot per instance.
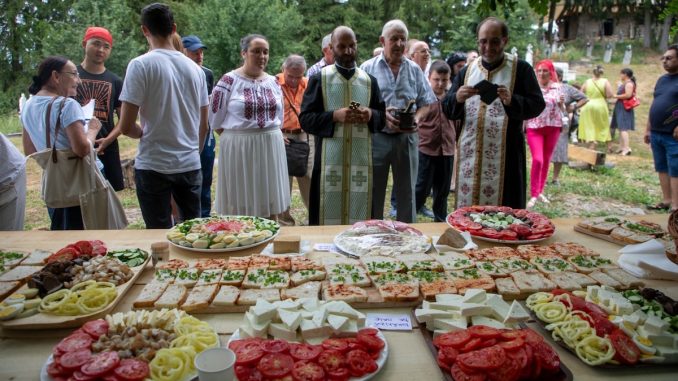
(594, 122)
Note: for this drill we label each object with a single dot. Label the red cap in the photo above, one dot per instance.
(97, 32)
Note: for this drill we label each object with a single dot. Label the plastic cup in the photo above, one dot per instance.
(215, 364)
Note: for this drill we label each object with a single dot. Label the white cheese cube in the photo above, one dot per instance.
(484, 320)
(670, 354)
(280, 331)
(245, 331)
(641, 316)
(473, 309)
(664, 339)
(259, 329)
(516, 314)
(474, 295)
(310, 330)
(336, 321)
(446, 306)
(309, 304)
(316, 340)
(631, 320)
(319, 316)
(306, 314)
(449, 325)
(592, 292)
(448, 298)
(499, 306)
(288, 304)
(291, 319)
(349, 329)
(263, 311)
(655, 325)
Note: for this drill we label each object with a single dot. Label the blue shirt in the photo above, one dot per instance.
(664, 109)
(410, 83)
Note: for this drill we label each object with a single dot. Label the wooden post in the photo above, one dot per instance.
(592, 157)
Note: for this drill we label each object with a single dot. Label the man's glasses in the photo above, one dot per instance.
(73, 73)
(666, 58)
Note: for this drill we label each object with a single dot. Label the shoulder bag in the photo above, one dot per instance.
(296, 152)
(631, 103)
(65, 175)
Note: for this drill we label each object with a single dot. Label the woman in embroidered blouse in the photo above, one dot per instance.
(58, 78)
(623, 119)
(247, 112)
(544, 130)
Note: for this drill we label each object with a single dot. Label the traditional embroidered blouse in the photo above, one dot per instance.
(552, 115)
(242, 103)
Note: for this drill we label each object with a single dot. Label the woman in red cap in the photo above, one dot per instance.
(543, 131)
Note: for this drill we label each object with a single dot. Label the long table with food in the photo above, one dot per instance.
(473, 314)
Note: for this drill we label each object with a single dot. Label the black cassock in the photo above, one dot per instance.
(316, 121)
(527, 102)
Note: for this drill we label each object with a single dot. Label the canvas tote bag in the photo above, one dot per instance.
(65, 175)
(100, 207)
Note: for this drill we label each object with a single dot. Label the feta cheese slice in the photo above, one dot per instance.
(484, 320)
(447, 298)
(516, 314)
(449, 325)
(473, 309)
(310, 330)
(259, 329)
(474, 295)
(291, 319)
(654, 325)
(336, 321)
(280, 331)
(499, 307)
(263, 311)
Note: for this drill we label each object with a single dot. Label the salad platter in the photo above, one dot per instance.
(501, 224)
(380, 237)
(219, 234)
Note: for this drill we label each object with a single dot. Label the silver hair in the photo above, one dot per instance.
(294, 60)
(396, 24)
(326, 41)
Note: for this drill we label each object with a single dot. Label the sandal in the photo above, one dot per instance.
(659, 206)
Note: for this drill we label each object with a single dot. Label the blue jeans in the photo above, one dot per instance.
(66, 218)
(154, 190)
(665, 153)
(207, 164)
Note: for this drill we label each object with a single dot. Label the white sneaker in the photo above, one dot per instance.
(574, 140)
(532, 202)
(543, 199)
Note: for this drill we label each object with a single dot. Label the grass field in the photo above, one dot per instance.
(626, 188)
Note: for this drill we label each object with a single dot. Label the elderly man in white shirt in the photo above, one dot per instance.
(400, 81)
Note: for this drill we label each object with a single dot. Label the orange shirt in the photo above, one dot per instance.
(290, 118)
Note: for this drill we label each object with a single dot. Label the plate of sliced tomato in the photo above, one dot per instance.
(355, 358)
(502, 224)
(481, 352)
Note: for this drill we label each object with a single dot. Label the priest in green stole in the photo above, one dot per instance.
(342, 106)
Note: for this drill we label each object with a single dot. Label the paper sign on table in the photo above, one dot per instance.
(325, 247)
(389, 322)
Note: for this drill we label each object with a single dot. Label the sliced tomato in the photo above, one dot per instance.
(455, 339)
(508, 371)
(307, 371)
(594, 310)
(516, 343)
(96, 328)
(132, 370)
(110, 377)
(79, 376)
(354, 343)
(626, 351)
(533, 237)
(520, 229)
(474, 226)
(247, 373)
(275, 365)
(359, 363)
(305, 352)
(509, 235)
(483, 332)
(55, 370)
(532, 337)
(65, 254)
(373, 343)
(603, 326)
(85, 247)
(526, 371)
(368, 331)
(275, 346)
(459, 375)
(491, 233)
(512, 334)
(488, 343)
(101, 364)
(331, 360)
(340, 374)
(74, 342)
(248, 353)
(472, 345)
(449, 355)
(483, 359)
(72, 361)
(336, 344)
(235, 344)
(536, 361)
(550, 362)
(98, 248)
(442, 362)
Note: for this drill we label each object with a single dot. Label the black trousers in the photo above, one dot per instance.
(434, 173)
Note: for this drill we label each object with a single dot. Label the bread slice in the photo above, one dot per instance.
(19, 273)
(432, 283)
(602, 225)
(348, 274)
(605, 279)
(262, 278)
(304, 276)
(379, 264)
(571, 249)
(303, 263)
(454, 261)
(621, 234)
(37, 257)
(399, 292)
(489, 268)
(492, 253)
(165, 275)
(226, 296)
(249, 297)
(565, 281)
(287, 244)
(306, 290)
(551, 264)
(238, 263)
(583, 280)
(150, 294)
(173, 297)
(529, 252)
(425, 264)
(211, 264)
(209, 276)
(7, 288)
(511, 264)
(507, 288)
(187, 277)
(174, 264)
(585, 264)
(530, 282)
(259, 262)
(200, 297)
(11, 258)
(638, 238)
(471, 278)
(344, 292)
(280, 262)
(627, 280)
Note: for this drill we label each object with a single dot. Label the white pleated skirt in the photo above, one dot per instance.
(252, 175)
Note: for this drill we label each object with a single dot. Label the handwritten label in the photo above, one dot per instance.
(325, 247)
(390, 322)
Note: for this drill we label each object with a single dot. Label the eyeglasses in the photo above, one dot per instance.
(73, 73)
(666, 58)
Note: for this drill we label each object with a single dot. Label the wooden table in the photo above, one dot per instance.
(24, 352)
